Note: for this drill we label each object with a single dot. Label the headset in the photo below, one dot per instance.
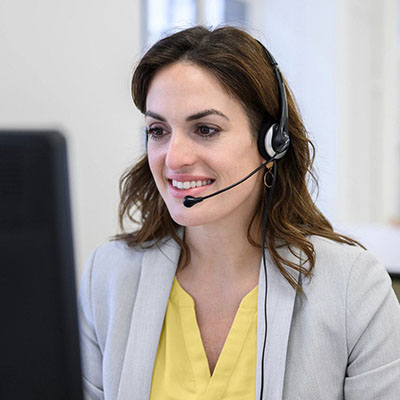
(273, 143)
(273, 137)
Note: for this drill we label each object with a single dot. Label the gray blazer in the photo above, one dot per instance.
(339, 341)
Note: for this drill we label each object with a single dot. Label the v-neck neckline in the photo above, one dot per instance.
(213, 386)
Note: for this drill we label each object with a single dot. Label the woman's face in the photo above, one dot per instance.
(200, 142)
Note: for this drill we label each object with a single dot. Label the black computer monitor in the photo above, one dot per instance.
(39, 342)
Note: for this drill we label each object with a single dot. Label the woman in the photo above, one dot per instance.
(179, 308)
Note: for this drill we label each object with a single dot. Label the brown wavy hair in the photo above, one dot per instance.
(239, 62)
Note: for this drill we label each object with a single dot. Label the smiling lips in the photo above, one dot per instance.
(190, 184)
(184, 185)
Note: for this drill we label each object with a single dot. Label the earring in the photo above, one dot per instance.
(269, 175)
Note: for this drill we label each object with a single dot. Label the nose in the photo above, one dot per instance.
(180, 151)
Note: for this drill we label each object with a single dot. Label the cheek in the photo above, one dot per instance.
(244, 154)
(155, 163)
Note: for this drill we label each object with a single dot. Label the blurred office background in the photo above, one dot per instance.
(68, 65)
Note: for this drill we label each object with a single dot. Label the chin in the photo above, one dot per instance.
(184, 216)
(184, 219)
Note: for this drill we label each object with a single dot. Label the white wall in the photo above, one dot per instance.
(302, 37)
(369, 178)
(341, 59)
(68, 64)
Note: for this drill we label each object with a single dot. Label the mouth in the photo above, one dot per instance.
(182, 188)
(184, 185)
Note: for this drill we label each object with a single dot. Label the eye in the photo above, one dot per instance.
(155, 132)
(206, 131)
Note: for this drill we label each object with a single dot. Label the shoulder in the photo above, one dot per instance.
(110, 268)
(111, 264)
(108, 287)
(347, 320)
(114, 260)
(347, 289)
(327, 248)
(335, 258)
(114, 269)
(343, 272)
(351, 285)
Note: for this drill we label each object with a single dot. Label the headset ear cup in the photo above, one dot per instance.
(280, 143)
(264, 142)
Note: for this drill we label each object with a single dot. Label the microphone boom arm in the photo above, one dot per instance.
(190, 201)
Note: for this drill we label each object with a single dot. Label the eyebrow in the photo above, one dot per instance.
(192, 117)
(154, 115)
(205, 113)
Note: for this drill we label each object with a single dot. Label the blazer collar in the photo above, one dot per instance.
(157, 273)
(280, 304)
(158, 270)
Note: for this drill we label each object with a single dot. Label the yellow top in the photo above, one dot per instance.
(181, 370)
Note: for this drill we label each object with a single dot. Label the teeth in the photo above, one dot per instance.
(190, 184)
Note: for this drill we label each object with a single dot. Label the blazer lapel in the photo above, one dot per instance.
(280, 304)
(157, 274)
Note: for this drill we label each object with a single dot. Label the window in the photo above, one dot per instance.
(165, 16)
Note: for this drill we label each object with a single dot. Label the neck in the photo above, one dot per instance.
(221, 252)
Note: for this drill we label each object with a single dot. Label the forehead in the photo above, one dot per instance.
(191, 88)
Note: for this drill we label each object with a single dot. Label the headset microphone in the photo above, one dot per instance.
(190, 201)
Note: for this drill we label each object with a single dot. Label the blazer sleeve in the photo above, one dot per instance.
(373, 333)
(91, 354)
